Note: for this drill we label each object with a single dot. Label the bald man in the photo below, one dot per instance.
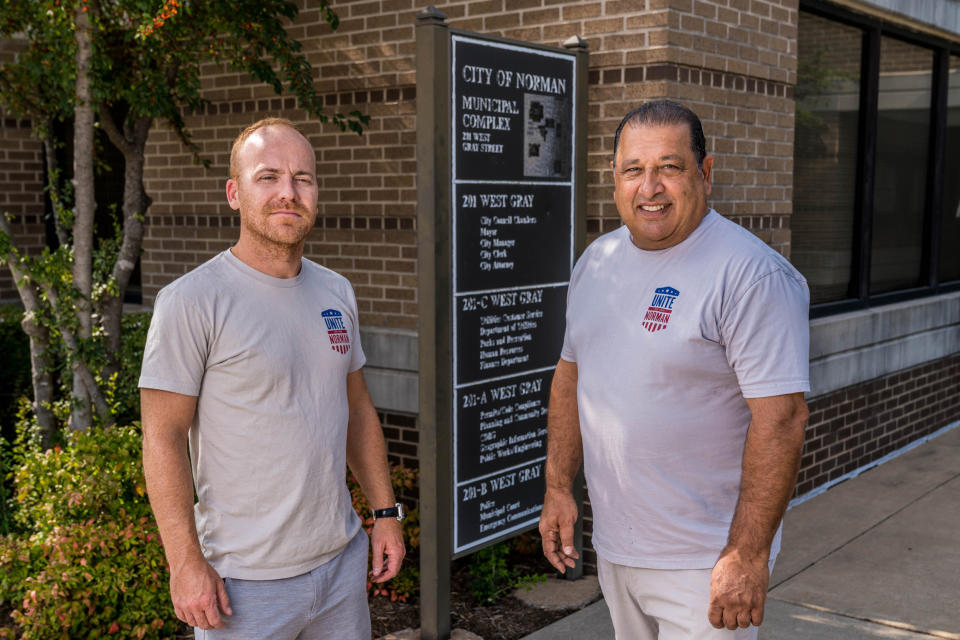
(253, 398)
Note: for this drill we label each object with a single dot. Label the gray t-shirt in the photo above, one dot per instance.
(667, 345)
(268, 359)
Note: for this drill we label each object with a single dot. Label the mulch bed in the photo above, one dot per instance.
(507, 619)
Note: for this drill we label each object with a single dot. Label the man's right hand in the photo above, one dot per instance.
(556, 529)
(198, 595)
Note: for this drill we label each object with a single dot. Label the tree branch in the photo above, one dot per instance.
(80, 370)
(116, 136)
(53, 184)
(39, 340)
(28, 293)
(30, 104)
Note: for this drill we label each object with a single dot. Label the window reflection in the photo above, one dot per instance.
(825, 154)
(900, 187)
(950, 219)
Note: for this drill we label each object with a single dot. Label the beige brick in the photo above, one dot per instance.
(541, 16)
(607, 25)
(579, 11)
(502, 21)
(705, 9)
(648, 20)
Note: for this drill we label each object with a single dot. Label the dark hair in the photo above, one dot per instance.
(663, 113)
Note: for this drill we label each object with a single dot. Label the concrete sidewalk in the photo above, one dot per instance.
(877, 556)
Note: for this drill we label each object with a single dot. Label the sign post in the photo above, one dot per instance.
(501, 205)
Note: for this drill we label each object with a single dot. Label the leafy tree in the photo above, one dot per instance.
(126, 64)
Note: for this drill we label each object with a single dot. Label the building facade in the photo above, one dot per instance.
(830, 122)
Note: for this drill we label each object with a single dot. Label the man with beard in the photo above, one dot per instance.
(253, 364)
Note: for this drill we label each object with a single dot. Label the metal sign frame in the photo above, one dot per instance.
(436, 218)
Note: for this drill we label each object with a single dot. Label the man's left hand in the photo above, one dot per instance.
(387, 540)
(738, 589)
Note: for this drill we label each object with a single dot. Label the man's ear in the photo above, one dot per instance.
(707, 170)
(233, 197)
(613, 170)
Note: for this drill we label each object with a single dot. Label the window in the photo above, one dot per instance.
(950, 218)
(875, 217)
(825, 155)
(900, 181)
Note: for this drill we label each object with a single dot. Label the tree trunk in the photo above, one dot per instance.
(82, 377)
(131, 142)
(40, 367)
(85, 208)
(39, 335)
(53, 183)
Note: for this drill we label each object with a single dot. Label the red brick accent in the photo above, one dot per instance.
(857, 425)
(403, 439)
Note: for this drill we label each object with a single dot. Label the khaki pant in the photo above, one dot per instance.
(328, 603)
(661, 604)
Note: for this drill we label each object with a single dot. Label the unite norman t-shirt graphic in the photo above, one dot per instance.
(336, 330)
(658, 313)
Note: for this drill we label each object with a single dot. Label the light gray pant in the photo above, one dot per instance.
(329, 603)
(661, 604)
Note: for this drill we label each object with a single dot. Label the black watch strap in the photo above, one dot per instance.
(396, 511)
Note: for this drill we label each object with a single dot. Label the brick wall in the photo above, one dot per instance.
(733, 62)
(403, 437)
(366, 227)
(733, 65)
(21, 192)
(855, 426)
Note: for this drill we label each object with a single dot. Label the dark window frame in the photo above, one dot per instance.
(873, 29)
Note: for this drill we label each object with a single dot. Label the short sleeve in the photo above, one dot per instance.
(568, 351)
(357, 357)
(766, 334)
(175, 354)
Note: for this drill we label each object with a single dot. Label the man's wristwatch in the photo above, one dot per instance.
(396, 511)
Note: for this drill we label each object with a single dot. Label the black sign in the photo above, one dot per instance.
(512, 235)
(508, 332)
(513, 112)
(500, 503)
(513, 131)
(509, 416)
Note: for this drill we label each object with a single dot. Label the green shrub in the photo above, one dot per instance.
(99, 475)
(133, 337)
(88, 562)
(15, 372)
(92, 580)
(15, 356)
(493, 575)
(407, 582)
